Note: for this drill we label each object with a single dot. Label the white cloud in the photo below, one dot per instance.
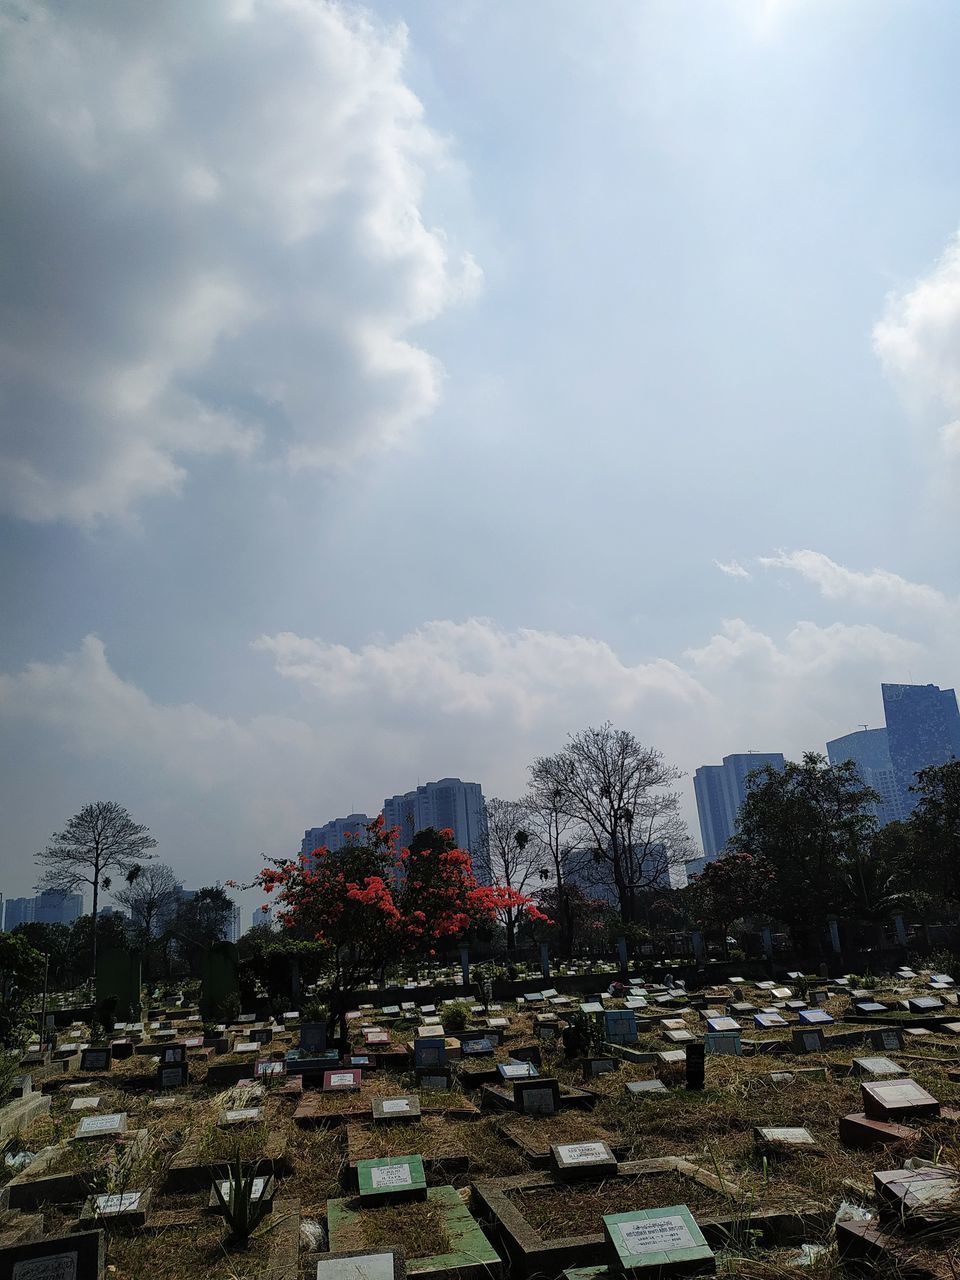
(918, 340)
(732, 568)
(877, 589)
(453, 697)
(214, 228)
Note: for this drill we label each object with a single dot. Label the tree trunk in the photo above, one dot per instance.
(93, 922)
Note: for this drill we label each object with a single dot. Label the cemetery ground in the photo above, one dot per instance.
(824, 1141)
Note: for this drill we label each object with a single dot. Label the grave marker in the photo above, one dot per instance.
(406, 1108)
(658, 1241)
(341, 1081)
(582, 1159)
(96, 1060)
(386, 1265)
(540, 1097)
(102, 1126)
(391, 1179)
(891, 1099)
(78, 1256)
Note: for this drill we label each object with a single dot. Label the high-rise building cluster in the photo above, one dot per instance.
(922, 728)
(447, 803)
(49, 907)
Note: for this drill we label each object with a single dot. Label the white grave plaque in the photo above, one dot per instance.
(390, 1105)
(391, 1175)
(582, 1152)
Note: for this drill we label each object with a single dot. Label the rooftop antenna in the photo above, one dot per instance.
(864, 727)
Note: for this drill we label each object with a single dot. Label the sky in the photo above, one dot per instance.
(387, 392)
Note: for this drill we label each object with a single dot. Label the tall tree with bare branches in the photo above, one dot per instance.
(618, 795)
(100, 839)
(515, 857)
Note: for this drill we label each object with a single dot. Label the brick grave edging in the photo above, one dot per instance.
(530, 1253)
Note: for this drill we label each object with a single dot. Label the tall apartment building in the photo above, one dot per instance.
(923, 729)
(52, 906)
(332, 834)
(869, 749)
(720, 791)
(18, 911)
(447, 803)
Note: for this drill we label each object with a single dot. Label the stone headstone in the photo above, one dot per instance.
(582, 1159)
(727, 1042)
(645, 1087)
(430, 1052)
(346, 1080)
(78, 1256)
(102, 1126)
(239, 1116)
(876, 1067)
(540, 1097)
(375, 1265)
(405, 1108)
(620, 1026)
(695, 1066)
(313, 1037)
(96, 1060)
(808, 1041)
(893, 1099)
(516, 1070)
(771, 1138)
(173, 1077)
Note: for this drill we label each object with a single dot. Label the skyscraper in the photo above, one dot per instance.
(447, 803)
(18, 911)
(721, 790)
(923, 729)
(53, 906)
(332, 834)
(870, 751)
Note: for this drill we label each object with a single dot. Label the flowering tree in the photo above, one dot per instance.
(371, 905)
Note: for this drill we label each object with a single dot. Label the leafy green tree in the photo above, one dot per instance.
(810, 823)
(934, 826)
(21, 977)
(111, 933)
(735, 886)
(98, 842)
(199, 922)
(879, 878)
(51, 940)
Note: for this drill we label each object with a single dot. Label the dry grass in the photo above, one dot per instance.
(201, 1247)
(418, 1228)
(577, 1210)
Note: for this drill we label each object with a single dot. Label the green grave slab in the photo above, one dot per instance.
(471, 1256)
(390, 1179)
(662, 1242)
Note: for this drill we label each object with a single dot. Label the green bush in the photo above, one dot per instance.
(456, 1015)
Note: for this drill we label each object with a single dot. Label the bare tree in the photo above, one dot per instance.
(627, 821)
(514, 856)
(553, 830)
(151, 898)
(99, 839)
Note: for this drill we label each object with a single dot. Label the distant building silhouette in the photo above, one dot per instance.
(333, 833)
(869, 750)
(51, 906)
(721, 790)
(923, 729)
